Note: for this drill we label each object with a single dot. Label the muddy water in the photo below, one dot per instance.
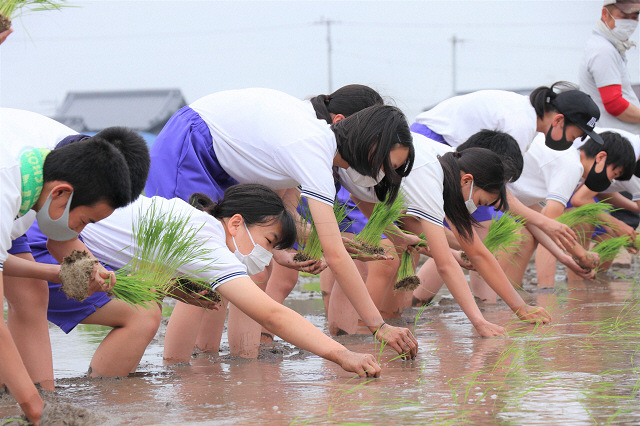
(583, 369)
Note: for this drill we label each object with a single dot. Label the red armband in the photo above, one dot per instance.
(612, 99)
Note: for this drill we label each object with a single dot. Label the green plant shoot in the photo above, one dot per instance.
(589, 214)
(608, 249)
(504, 235)
(382, 217)
(309, 241)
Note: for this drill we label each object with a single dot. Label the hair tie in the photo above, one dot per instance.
(548, 99)
(457, 154)
(326, 99)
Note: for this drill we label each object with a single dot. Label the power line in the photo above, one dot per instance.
(328, 23)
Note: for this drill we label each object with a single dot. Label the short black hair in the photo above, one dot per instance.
(136, 154)
(365, 140)
(619, 152)
(111, 166)
(257, 204)
(502, 144)
(95, 169)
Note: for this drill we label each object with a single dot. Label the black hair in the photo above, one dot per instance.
(346, 100)
(542, 98)
(365, 140)
(619, 152)
(488, 174)
(257, 204)
(96, 170)
(502, 144)
(136, 154)
(81, 161)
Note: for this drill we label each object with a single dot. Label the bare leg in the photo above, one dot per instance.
(515, 265)
(479, 286)
(211, 329)
(243, 332)
(28, 300)
(430, 283)
(327, 281)
(280, 284)
(545, 267)
(182, 332)
(133, 329)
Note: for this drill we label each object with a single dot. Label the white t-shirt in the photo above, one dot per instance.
(457, 118)
(268, 137)
(602, 65)
(424, 186)
(19, 132)
(111, 239)
(547, 174)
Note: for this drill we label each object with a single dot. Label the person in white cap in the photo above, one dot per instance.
(603, 71)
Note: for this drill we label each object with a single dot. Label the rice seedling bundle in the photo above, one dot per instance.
(503, 236)
(406, 279)
(165, 243)
(309, 246)
(383, 216)
(11, 9)
(608, 249)
(589, 214)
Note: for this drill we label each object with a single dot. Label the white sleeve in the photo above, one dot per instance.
(631, 186)
(9, 207)
(561, 179)
(222, 265)
(602, 66)
(424, 191)
(310, 163)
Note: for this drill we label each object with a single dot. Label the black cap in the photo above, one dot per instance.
(580, 110)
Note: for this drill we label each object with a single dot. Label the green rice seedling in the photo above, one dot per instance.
(589, 214)
(382, 217)
(608, 249)
(167, 246)
(11, 9)
(406, 279)
(503, 236)
(309, 245)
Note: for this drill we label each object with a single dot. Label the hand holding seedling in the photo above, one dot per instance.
(400, 339)
(196, 299)
(101, 280)
(311, 266)
(560, 233)
(590, 260)
(533, 314)
(462, 261)
(487, 329)
(585, 274)
(364, 365)
(4, 35)
(357, 252)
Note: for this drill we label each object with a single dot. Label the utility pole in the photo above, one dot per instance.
(454, 66)
(328, 23)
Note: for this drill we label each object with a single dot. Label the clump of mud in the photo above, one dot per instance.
(372, 250)
(75, 274)
(409, 283)
(62, 415)
(5, 23)
(464, 257)
(301, 257)
(192, 287)
(575, 259)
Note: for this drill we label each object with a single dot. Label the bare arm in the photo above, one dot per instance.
(584, 195)
(347, 276)
(18, 267)
(630, 115)
(452, 275)
(489, 268)
(561, 234)
(294, 328)
(619, 201)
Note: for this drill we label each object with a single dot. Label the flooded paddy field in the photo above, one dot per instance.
(583, 369)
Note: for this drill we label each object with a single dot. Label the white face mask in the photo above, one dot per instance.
(255, 261)
(624, 28)
(58, 229)
(362, 180)
(471, 205)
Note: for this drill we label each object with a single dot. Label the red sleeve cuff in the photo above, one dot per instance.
(612, 99)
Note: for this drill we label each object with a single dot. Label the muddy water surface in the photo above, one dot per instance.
(583, 369)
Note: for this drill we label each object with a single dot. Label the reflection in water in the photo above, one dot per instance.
(582, 369)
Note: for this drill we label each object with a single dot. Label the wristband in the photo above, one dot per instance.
(378, 329)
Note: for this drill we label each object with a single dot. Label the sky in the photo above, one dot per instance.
(403, 49)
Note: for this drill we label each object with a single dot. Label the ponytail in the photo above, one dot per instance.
(346, 100)
(488, 174)
(542, 98)
(257, 204)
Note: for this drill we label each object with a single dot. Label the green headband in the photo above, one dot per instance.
(31, 163)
